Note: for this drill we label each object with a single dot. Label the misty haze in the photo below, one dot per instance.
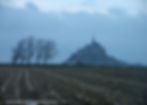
(73, 52)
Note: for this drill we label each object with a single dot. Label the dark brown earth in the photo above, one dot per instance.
(75, 85)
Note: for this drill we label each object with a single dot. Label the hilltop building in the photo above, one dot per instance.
(93, 54)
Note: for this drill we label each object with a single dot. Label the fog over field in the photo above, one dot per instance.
(119, 26)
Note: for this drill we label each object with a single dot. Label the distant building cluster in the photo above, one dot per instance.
(93, 54)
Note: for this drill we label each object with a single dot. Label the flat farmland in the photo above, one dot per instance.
(75, 85)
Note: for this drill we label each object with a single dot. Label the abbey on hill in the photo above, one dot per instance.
(93, 54)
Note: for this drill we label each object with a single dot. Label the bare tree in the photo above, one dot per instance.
(39, 50)
(19, 53)
(15, 56)
(48, 50)
(29, 49)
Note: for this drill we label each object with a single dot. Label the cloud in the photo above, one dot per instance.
(124, 37)
(131, 7)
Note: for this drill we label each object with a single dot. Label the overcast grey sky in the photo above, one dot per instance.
(120, 26)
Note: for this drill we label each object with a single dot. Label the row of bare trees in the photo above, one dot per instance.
(30, 49)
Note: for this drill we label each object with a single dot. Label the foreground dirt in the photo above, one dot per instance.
(74, 85)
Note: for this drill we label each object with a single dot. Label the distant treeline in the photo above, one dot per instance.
(30, 50)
